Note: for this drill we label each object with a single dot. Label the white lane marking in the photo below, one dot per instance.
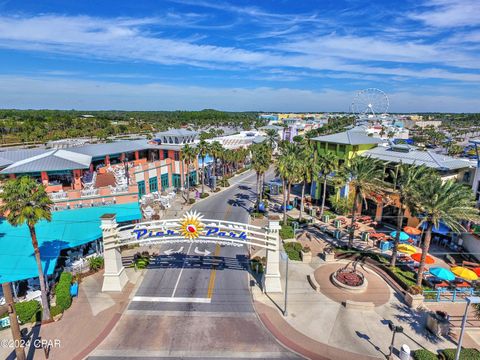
(204, 253)
(172, 251)
(171, 299)
(181, 271)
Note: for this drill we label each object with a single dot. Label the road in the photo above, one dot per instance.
(193, 306)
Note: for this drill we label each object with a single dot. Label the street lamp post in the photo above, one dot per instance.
(395, 329)
(285, 257)
(470, 300)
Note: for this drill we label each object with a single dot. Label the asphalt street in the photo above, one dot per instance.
(195, 298)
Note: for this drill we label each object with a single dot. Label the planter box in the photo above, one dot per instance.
(328, 257)
(306, 256)
(413, 301)
(437, 325)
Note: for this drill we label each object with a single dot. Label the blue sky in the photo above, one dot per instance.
(270, 55)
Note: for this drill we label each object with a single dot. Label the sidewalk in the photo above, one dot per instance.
(320, 327)
(89, 320)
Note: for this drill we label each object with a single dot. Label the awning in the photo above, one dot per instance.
(68, 228)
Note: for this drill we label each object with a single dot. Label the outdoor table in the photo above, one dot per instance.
(442, 284)
(463, 285)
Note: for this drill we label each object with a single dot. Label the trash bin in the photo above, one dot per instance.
(337, 234)
(337, 223)
(405, 352)
(325, 218)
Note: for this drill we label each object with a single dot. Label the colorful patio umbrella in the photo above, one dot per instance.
(412, 230)
(442, 273)
(464, 273)
(428, 260)
(407, 249)
(403, 236)
(476, 271)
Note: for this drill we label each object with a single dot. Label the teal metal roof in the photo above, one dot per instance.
(68, 228)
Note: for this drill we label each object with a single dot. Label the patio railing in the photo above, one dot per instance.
(448, 295)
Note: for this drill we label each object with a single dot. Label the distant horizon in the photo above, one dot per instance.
(237, 111)
(240, 55)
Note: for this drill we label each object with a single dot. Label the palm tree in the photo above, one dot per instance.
(327, 163)
(272, 137)
(14, 326)
(188, 155)
(24, 201)
(309, 170)
(438, 202)
(261, 159)
(405, 178)
(216, 150)
(202, 149)
(283, 169)
(364, 175)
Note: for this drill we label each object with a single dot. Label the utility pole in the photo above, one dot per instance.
(12, 314)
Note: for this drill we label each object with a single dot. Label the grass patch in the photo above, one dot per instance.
(293, 250)
(465, 354)
(423, 354)
(286, 232)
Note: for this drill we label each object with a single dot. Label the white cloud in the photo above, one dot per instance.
(55, 92)
(127, 39)
(449, 13)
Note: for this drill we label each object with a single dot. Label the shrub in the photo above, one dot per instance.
(341, 205)
(415, 290)
(28, 311)
(191, 201)
(56, 310)
(286, 232)
(141, 261)
(293, 250)
(423, 354)
(95, 263)
(62, 291)
(204, 195)
(256, 215)
(465, 354)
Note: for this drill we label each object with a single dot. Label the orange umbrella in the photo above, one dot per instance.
(417, 257)
(412, 230)
(476, 271)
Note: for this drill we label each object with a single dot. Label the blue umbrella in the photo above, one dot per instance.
(442, 273)
(403, 236)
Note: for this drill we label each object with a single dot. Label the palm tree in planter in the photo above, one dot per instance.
(438, 202)
(327, 163)
(216, 150)
(202, 149)
(405, 177)
(24, 201)
(365, 176)
(188, 155)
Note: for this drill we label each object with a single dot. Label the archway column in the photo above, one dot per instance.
(115, 277)
(272, 273)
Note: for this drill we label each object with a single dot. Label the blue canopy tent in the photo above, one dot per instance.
(442, 229)
(68, 229)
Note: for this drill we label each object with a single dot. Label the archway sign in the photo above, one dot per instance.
(191, 228)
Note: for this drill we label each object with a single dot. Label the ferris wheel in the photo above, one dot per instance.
(370, 102)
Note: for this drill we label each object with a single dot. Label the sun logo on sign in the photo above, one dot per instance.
(191, 225)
